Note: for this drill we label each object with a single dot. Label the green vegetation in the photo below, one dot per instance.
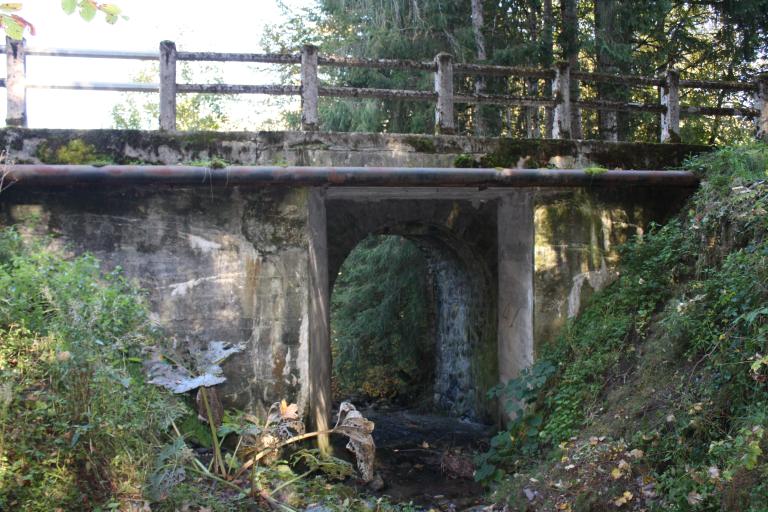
(194, 112)
(74, 152)
(379, 321)
(665, 368)
(710, 40)
(14, 25)
(595, 171)
(213, 163)
(79, 429)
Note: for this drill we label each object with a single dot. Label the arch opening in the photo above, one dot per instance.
(413, 324)
(381, 324)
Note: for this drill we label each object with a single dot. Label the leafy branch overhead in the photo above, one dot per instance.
(89, 8)
(14, 24)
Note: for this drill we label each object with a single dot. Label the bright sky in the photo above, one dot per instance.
(195, 25)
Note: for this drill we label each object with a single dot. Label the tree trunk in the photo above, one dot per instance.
(547, 55)
(532, 84)
(613, 38)
(605, 30)
(477, 29)
(569, 41)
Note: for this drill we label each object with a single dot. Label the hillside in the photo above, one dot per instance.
(655, 397)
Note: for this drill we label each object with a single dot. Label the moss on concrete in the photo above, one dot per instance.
(465, 161)
(73, 152)
(423, 144)
(528, 153)
(157, 147)
(628, 155)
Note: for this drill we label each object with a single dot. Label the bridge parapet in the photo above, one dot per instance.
(43, 146)
(750, 100)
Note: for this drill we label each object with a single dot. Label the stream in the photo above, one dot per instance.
(427, 458)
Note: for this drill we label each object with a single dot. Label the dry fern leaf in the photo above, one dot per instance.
(358, 429)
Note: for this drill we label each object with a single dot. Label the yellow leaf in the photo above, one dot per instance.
(616, 473)
(623, 499)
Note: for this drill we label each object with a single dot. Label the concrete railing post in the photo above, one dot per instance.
(561, 92)
(309, 88)
(16, 82)
(670, 99)
(762, 107)
(167, 85)
(444, 123)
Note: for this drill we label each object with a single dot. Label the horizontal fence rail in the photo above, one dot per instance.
(559, 80)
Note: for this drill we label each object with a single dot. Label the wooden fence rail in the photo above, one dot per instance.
(443, 67)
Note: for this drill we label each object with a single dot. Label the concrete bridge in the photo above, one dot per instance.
(515, 241)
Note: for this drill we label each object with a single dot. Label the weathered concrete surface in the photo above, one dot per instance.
(335, 149)
(577, 234)
(255, 265)
(319, 316)
(516, 286)
(218, 265)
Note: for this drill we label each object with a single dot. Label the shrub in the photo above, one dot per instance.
(78, 425)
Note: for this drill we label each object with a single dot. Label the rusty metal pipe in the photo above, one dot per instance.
(39, 175)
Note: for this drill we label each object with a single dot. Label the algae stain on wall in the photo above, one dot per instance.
(576, 253)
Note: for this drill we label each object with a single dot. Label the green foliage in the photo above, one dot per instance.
(699, 282)
(595, 171)
(523, 430)
(213, 163)
(78, 425)
(87, 9)
(380, 338)
(706, 40)
(194, 112)
(74, 152)
(13, 24)
(465, 161)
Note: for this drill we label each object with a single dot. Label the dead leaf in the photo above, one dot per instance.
(457, 465)
(284, 421)
(694, 498)
(290, 412)
(358, 429)
(205, 369)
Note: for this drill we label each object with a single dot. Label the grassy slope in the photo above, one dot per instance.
(660, 399)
